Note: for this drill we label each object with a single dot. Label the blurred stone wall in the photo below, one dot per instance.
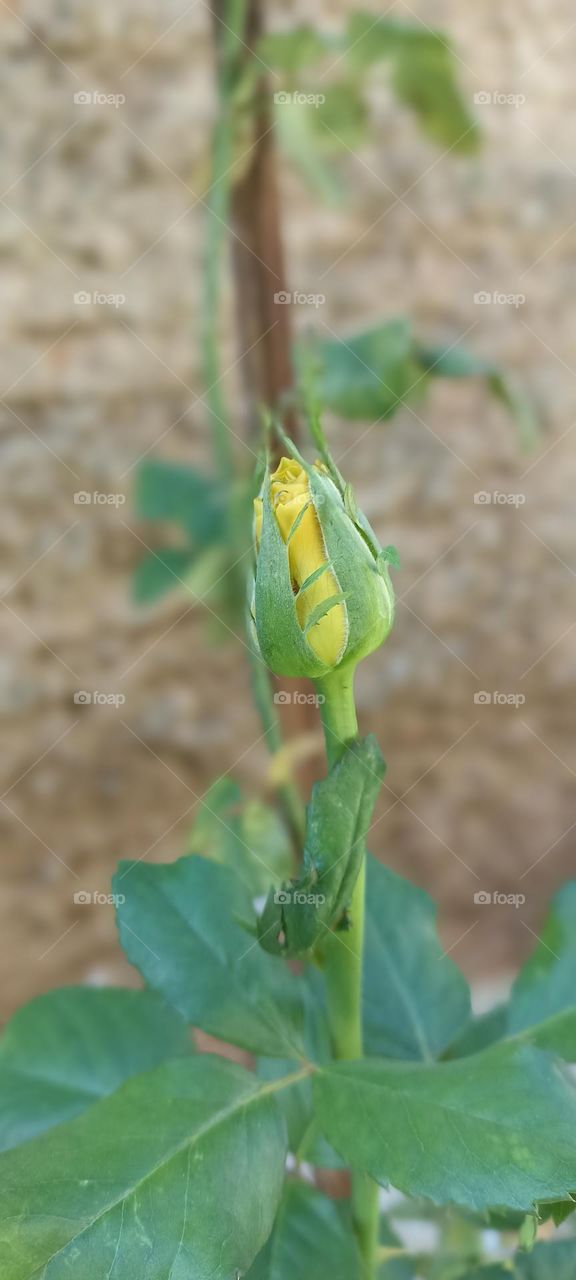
(480, 797)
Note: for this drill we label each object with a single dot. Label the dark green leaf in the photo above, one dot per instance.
(497, 1128)
(160, 571)
(423, 75)
(185, 925)
(177, 1174)
(312, 1239)
(369, 375)
(548, 1261)
(415, 998)
(554, 1260)
(66, 1049)
(170, 491)
(543, 1000)
(481, 1032)
(299, 915)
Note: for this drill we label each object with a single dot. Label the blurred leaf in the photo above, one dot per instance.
(480, 1032)
(368, 376)
(312, 1239)
(310, 149)
(553, 1260)
(460, 362)
(67, 1048)
(170, 491)
(543, 999)
(159, 572)
(423, 75)
(178, 1173)
(542, 1005)
(246, 835)
(342, 119)
(415, 998)
(497, 1128)
(186, 926)
(520, 406)
(291, 51)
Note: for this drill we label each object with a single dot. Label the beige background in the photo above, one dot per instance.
(97, 198)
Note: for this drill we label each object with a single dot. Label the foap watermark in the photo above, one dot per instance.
(285, 896)
(284, 698)
(96, 98)
(300, 99)
(497, 298)
(82, 498)
(299, 299)
(497, 98)
(486, 498)
(93, 698)
(484, 699)
(483, 898)
(87, 897)
(97, 298)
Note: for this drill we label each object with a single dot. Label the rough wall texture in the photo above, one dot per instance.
(98, 198)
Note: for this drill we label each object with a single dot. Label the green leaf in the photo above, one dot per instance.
(185, 925)
(548, 1261)
(366, 376)
(67, 1048)
(415, 998)
(299, 915)
(312, 1238)
(423, 75)
(480, 1032)
(520, 406)
(543, 999)
(460, 362)
(172, 492)
(291, 51)
(177, 1174)
(495, 1129)
(160, 571)
(248, 836)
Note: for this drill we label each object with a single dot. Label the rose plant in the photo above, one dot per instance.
(128, 1154)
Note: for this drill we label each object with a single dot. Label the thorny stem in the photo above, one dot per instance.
(343, 958)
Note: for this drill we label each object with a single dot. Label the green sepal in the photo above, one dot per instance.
(338, 818)
(369, 595)
(280, 638)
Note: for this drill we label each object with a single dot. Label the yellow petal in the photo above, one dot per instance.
(290, 494)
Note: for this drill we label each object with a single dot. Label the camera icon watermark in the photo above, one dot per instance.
(284, 299)
(484, 899)
(496, 297)
(92, 697)
(284, 896)
(484, 699)
(95, 98)
(82, 498)
(85, 897)
(284, 698)
(486, 498)
(97, 298)
(283, 99)
(495, 97)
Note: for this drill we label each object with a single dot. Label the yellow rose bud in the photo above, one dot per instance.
(322, 595)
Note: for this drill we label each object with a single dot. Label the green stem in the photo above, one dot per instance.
(343, 958)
